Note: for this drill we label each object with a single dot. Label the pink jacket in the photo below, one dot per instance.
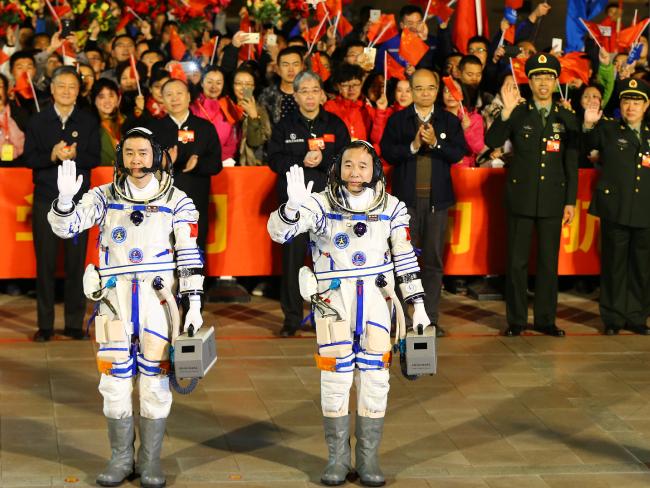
(210, 110)
(474, 137)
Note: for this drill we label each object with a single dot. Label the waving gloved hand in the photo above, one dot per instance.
(296, 190)
(68, 182)
(193, 315)
(420, 316)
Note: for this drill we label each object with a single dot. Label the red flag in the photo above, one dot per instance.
(67, 50)
(412, 48)
(607, 29)
(197, 7)
(394, 69)
(62, 10)
(386, 26)
(519, 70)
(441, 10)
(509, 34)
(594, 32)
(453, 88)
(319, 68)
(313, 34)
(3, 57)
(176, 45)
(23, 87)
(126, 18)
(574, 65)
(206, 49)
(231, 111)
(514, 4)
(344, 27)
(627, 37)
(469, 26)
(244, 21)
(176, 72)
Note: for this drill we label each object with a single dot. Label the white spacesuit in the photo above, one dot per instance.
(359, 242)
(147, 239)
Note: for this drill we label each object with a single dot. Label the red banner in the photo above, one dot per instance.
(243, 198)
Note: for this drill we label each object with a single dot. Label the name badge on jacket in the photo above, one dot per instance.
(316, 143)
(552, 145)
(645, 162)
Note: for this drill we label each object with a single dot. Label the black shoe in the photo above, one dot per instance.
(287, 331)
(640, 329)
(76, 334)
(440, 332)
(611, 330)
(551, 330)
(43, 335)
(513, 331)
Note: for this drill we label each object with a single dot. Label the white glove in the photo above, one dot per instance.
(68, 182)
(296, 190)
(92, 283)
(420, 316)
(193, 315)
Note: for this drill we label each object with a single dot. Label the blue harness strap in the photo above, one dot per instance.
(142, 208)
(135, 307)
(366, 217)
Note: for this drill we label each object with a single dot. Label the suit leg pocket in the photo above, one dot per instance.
(377, 337)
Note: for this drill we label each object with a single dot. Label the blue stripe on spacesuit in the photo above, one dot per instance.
(135, 306)
(398, 226)
(334, 344)
(359, 326)
(370, 362)
(153, 332)
(113, 349)
(143, 208)
(378, 325)
(370, 217)
(404, 257)
(412, 268)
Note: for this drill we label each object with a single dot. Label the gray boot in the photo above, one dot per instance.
(339, 464)
(152, 433)
(368, 433)
(121, 435)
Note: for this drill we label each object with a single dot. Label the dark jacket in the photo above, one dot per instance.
(44, 131)
(622, 194)
(396, 150)
(289, 145)
(542, 177)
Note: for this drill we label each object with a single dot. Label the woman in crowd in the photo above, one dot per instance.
(12, 139)
(132, 103)
(207, 107)
(106, 100)
(255, 128)
(452, 95)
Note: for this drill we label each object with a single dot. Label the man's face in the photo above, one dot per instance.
(176, 98)
(411, 22)
(289, 66)
(65, 89)
(542, 86)
(96, 61)
(479, 50)
(24, 65)
(632, 110)
(356, 169)
(52, 63)
(308, 95)
(156, 89)
(137, 155)
(41, 42)
(87, 77)
(350, 90)
(123, 49)
(471, 74)
(451, 66)
(424, 89)
(526, 49)
(352, 54)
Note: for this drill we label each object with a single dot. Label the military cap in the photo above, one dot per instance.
(542, 63)
(633, 88)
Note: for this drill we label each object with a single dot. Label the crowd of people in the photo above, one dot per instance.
(296, 95)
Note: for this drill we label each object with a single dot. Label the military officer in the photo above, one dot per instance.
(541, 189)
(622, 201)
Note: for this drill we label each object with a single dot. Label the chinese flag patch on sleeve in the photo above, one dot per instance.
(194, 230)
(408, 233)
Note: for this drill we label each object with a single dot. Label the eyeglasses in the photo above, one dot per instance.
(123, 44)
(422, 89)
(473, 50)
(350, 86)
(245, 85)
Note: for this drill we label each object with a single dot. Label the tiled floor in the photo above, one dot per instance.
(532, 412)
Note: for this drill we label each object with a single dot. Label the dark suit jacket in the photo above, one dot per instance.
(396, 150)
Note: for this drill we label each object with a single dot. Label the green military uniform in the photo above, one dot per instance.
(541, 180)
(622, 201)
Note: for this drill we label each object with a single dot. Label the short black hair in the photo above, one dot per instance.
(287, 51)
(347, 72)
(469, 59)
(124, 65)
(22, 54)
(482, 39)
(355, 43)
(408, 10)
(121, 36)
(300, 39)
(102, 83)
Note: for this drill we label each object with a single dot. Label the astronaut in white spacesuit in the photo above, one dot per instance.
(147, 250)
(360, 243)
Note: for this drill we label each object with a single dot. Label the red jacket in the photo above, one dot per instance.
(358, 116)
